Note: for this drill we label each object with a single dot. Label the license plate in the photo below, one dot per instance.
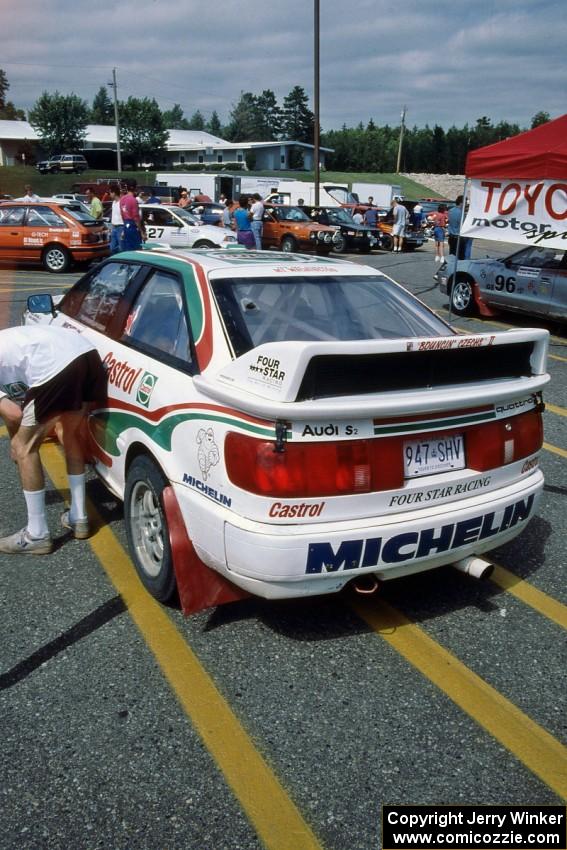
(439, 454)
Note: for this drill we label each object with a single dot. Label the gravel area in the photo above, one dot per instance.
(446, 185)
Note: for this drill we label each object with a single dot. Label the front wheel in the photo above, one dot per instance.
(340, 245)
(289, 245)
(387, 242)
(56, 259)
(462, 297)
(147, 529)
(204, 243)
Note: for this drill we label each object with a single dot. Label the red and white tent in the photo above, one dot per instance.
(518, 190)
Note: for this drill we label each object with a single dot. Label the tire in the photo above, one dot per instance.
(323, 250)
(340, 245)
(204, 243)
(56, 259)
(288, 245)
(146, 528)
(462, 297)
(387, 242)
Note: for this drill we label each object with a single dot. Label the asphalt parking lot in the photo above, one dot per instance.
(277, 725)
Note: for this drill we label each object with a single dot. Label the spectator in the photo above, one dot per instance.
(400, 220)
(242, 220)
(227, 219)
(134, 231)
(30, 197)
(439, 220)
(454, 228)
(116, 222)
(417, 215)
(257, 210)
(95, 204)
(184, 199)
(153, 199)
(371, 216)
(64, 376)
(371, 200)
(357, 217)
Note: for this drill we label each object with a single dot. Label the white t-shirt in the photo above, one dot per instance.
(257, 210)
(34, 354)
(116, 215)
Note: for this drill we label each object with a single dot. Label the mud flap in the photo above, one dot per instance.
(198, 586)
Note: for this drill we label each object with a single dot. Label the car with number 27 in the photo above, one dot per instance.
(178, 228)
(533, 280)
(294, 423)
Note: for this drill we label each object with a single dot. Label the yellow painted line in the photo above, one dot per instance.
(3, 431)
(530, 595)
(554, 408)
(557, 357)
(555, 449)
(273, 814)
(524, 738)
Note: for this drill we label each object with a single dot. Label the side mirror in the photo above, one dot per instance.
(41, 304)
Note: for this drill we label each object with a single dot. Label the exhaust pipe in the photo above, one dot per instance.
(366, 585)
(473, 566)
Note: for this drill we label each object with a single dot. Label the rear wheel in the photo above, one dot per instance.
(288, 245)
(462, 297)
(204, 243)
(56, 259)
(147, 529)
(387, 242)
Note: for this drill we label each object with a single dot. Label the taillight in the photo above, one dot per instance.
(89, 238)
(505, 441)
(314, 469)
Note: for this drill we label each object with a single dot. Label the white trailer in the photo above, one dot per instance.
(381, 193)
(297, 191)
(201, 183)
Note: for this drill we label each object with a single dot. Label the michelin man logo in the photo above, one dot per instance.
(208, 453)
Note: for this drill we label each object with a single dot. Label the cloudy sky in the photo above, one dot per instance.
(448, 62)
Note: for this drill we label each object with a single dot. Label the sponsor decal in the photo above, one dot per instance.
(457, 342)
(414, 545)
(39, 234)
(210, 492)
(28, 240)
(514, 406)
(120, 373)
(526, 271)
(280, 510)
(422, 496)
(208, 453)
(355, 429)
(533, 463)
(146, 388)
(268, 368)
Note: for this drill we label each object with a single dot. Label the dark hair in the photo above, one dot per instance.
(256, 196)
(243, 201)
(442, 208)
(459, 200)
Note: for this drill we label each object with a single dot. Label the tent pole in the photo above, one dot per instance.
(458, 248)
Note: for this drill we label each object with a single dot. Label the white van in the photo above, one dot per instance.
(297, 192)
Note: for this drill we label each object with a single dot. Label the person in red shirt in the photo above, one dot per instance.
(134, 231)
(439, 220)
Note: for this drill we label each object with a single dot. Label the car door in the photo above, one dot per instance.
(558, 305)
(12, 232)
(270, 231)
(164, 226)
(525, 280)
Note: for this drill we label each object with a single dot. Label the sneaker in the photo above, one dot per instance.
(437, 259)
(22, 543)
(79, 527)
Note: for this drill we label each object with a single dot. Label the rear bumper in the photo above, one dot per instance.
(291, 561)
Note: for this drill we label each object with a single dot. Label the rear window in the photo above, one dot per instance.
(79, 212)
(260, 310)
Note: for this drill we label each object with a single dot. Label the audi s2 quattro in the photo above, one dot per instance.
(305, 421)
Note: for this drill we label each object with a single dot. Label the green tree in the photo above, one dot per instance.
(60, 121)
(143, 135)
(243, 124)
(102, 111)
(540, 118)
(196, 122)
(214, 126)
(297, 118)
(269, 117)
(173, 119)
(8, 111)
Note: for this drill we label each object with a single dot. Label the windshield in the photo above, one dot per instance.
(260, 310)
(186, 216)
(289, 214)
(338, 216)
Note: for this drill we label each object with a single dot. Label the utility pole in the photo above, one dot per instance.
(316, 101)
(114, 86)
(402, 128)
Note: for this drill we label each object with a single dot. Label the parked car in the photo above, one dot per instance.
(533, 280)
(176, 227)
(352, 236)
(291, 229)
(207, 212)
(414, 237)
(301, 422)
(71, 196)
(67, 162)
(53, 233)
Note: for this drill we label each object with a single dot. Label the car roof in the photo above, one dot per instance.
(244, 263)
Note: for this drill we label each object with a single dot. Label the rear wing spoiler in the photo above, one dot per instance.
(381, 377)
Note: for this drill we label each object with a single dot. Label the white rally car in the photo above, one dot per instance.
(294, 423)
(175, 226)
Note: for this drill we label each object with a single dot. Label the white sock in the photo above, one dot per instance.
(78, 508)
(37, 521)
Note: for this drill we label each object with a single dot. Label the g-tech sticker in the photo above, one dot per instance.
(208, 453)
(414, 545)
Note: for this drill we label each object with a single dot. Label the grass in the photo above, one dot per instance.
(14, 178)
